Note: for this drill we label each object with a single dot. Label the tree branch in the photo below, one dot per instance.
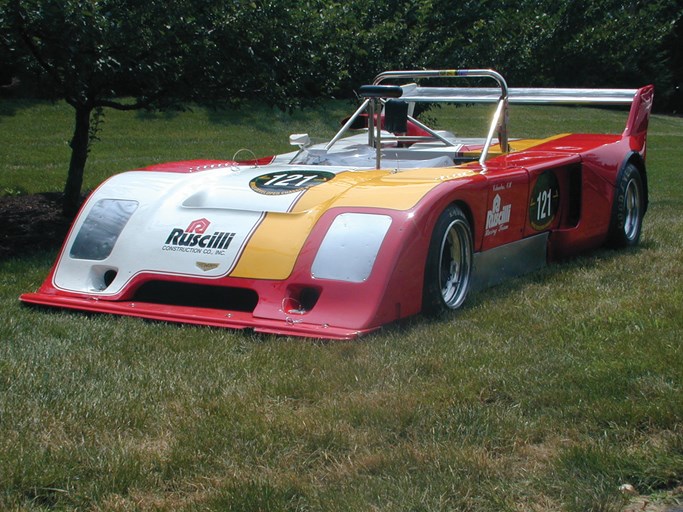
(47, 67)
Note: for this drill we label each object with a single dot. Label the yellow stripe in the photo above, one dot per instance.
(515, 146)
(401, 190)
(273, 249)
(524, 144)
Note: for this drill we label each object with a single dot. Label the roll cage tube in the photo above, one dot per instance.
(500, 117)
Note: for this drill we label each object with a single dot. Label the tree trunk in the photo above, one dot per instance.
(79, 154)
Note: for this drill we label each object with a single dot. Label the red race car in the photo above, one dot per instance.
(388, 219)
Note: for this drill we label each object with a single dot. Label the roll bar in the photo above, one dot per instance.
(500, 117)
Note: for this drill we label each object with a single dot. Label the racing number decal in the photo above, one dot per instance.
(545, 201)
(287, 182)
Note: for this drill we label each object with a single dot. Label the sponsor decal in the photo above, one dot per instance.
(194, 239)
(502, 186)
(544, 201)
(198, 226)
(288, 182)
(498, 217)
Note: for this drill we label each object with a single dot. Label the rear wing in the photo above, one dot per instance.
(518, 95)
(639, 118)
(377, 95)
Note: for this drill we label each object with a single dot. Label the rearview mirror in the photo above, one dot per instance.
(300, 139)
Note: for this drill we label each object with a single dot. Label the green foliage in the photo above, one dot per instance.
(612, 43)
(284, 50)
(87, 52)
(93, 53)
(558, 43)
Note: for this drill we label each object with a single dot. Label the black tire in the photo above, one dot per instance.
(628, 209)
(448, 270)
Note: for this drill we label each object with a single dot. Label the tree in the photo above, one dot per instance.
(92, 53)
(582, 43)
(127, 55)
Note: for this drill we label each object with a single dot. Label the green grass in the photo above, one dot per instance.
(545, 393)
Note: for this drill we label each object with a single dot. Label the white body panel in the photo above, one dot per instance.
(172, 208)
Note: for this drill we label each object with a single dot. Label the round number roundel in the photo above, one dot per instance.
(287, 182)
(545, 201)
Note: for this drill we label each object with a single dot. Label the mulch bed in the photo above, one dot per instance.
(31, 223)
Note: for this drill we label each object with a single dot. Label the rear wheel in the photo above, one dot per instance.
(628, 209)
(449, 263)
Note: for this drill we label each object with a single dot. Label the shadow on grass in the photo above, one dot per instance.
(155, 115)
(410, 326)
(267, 119)
(9, 107)
(513, 286)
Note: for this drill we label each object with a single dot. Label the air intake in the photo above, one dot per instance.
(197, 295)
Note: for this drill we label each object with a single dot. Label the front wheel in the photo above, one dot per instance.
(448, 270)
(628, 209)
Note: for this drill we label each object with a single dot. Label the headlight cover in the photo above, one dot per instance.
(350, 247)
(101, 229)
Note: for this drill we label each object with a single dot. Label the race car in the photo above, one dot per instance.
(388, 219)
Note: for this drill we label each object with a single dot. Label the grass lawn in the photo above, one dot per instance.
(546, 393)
